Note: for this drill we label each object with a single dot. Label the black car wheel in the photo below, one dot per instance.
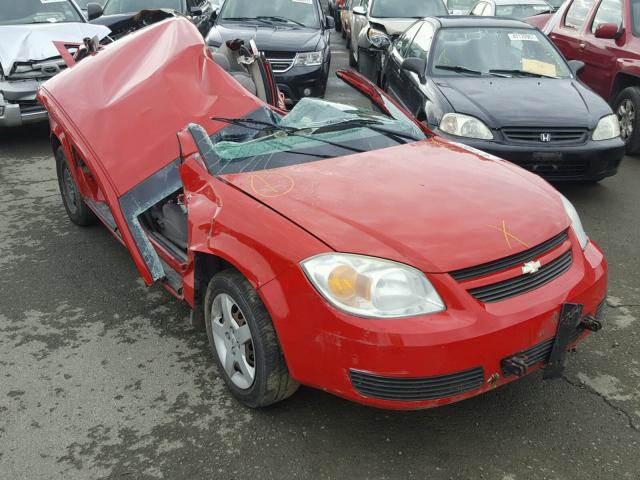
(336, 19)
(76, 208)
(627, 107)
(244, 343)
(353, 63)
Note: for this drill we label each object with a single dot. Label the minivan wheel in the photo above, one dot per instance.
(244, 343)
(76, 208)
(627, 108)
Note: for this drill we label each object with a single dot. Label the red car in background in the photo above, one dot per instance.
(605, 35)
(343, 248)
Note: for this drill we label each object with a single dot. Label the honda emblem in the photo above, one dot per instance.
(545, 137)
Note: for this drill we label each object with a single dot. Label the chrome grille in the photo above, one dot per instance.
(280, 61)
(542, 135)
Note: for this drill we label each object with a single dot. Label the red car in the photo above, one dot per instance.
(343, 248)
(604, 34)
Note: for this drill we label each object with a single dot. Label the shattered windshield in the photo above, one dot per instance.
(314, 130)
(114, 7)
(28, 12)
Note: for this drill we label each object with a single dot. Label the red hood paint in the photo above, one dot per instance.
(430, 204)
(131, 98)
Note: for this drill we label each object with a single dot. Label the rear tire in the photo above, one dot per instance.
(353, 63)
(250, 360)
(76, 208)
(627, 108)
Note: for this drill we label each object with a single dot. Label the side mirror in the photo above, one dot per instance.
(359, 10)
(329, 22)
(576, 66)
(196, 11)
(608, 30)
(94, 10)
(417, 66)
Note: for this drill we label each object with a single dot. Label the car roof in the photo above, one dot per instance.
(467, 21)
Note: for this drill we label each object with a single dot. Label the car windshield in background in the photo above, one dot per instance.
(407, 8)
(130, 6)
(514, 52)
(555, 3)
(25, 12)
(314, 130)
(83, 3)
(462, 6)
(521, 11)
(301, 13)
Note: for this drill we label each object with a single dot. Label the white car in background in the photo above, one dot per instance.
(28, 56)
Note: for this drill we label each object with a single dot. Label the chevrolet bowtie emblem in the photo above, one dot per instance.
(531, 267)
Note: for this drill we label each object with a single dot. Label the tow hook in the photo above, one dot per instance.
(591, 323)
(516, 365)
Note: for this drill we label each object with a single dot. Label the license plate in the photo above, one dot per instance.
(570, 317)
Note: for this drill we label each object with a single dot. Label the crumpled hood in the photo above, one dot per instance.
(573, 104)
(432, 204)
(394, 26)
(24, 43)
(269, 38)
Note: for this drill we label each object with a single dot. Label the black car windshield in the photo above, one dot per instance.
(407, 8)
(113, 7)
(294, 13)
(520, 11)
(313, 130)
(25, 12)
(514, 52)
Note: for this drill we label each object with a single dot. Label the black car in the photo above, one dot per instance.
(121, 15)
(294, 36)
(501, 86)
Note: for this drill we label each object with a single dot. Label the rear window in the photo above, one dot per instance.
(407, 8)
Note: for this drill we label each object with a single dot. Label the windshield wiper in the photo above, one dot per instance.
(295, 132)
(374, 125)
(521, 72)
(458, 69)
(248, 19)
(281, 19)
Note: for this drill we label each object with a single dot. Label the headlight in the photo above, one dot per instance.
(465, 126)
(608, 127)
(372, 287)
(378, 38)
(576, 223)
(308, 59)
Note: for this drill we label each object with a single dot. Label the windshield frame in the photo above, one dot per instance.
(436, 39)
(109, 2)
(81, 18)
(276, 13)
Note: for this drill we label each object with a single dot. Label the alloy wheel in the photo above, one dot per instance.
(233, 341)
(626, 116)
(69, 190)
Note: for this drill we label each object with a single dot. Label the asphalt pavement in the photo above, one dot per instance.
(102, 377)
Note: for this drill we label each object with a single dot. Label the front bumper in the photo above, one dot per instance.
(18, 104)
(296, 80)
(466, 344)
(590, 161)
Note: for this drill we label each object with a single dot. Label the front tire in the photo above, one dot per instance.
(627, 108)
(353, 62)
(76, 208)
(244, 343)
